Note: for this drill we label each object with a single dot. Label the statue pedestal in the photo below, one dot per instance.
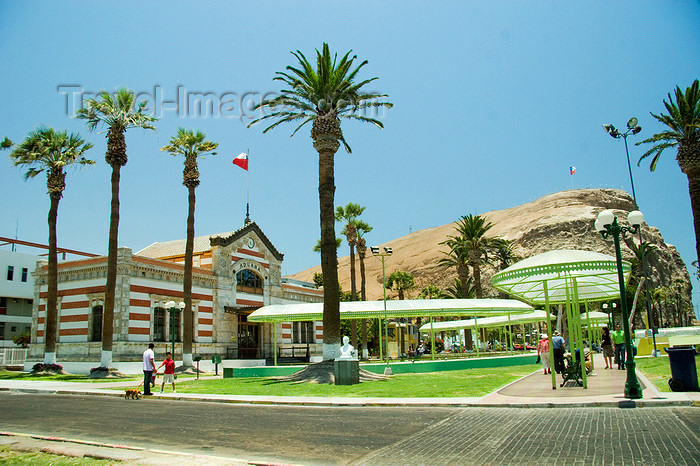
(346, 371)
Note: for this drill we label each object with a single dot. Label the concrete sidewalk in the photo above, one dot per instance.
(605, 388)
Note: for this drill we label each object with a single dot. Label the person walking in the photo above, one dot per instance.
(149, 366)
(606, 344)
(618, 338)
(559, 347)
(543, 353)
(168, 372)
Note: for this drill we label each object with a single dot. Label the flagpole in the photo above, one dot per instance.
(247, 190)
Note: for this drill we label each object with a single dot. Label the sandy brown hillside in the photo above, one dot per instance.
(562, 220)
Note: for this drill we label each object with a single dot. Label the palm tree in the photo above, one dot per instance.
(118, 113)
(504, 251)
(322, 96)
(46, 149)
(472, 229)
(456, 290)
(348, 215)
(401, 282)
(191, 145)
(683, 120)
(457, 257)
(658, 296)
(362, 228)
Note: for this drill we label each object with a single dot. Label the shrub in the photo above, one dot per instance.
(23, 339)
(102, 369)
(439, 345)
(41, 367)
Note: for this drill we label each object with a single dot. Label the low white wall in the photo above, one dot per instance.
(75, 367)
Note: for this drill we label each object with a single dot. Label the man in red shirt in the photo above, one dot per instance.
(169, 372)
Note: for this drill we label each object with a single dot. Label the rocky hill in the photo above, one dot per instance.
(562, 220)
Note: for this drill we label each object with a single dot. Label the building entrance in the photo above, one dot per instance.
(248, 339)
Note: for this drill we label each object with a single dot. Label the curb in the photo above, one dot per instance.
(115, 446)
(388, 402)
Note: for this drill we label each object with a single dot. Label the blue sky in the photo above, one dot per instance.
(493, 102)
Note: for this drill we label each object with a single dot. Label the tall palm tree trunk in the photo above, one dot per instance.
(326, 133)
(52, 292)
(110, 291)
(188, 318)
(477, 279)
(694, 190)
(353, 294)
(463, 275)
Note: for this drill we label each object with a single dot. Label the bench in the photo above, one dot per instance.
(572, 370)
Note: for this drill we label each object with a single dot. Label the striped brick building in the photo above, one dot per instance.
(234, 274)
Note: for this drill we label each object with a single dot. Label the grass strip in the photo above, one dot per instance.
(15, 457)
(447, 384)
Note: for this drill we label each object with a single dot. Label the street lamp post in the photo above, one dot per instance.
(173, 308)
(382, 257)
(607, 225)
(634, 128)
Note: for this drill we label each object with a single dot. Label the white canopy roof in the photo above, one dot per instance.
(394, 308)
(497, 321)
(595, 316)
(595, 275)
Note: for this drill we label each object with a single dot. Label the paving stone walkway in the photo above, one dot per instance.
(553, 436)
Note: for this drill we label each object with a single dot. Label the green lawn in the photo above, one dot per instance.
(460, 383)
(13, 457)
(658, 370)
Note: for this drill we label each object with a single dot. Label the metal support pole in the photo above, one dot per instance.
(274, 349)
(549, 336)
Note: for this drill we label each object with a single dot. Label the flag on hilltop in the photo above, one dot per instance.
(242, 161)
(572, 170)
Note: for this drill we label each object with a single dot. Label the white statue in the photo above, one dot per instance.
(347, 351)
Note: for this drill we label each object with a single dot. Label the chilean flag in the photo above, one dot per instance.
(572, 170)
(242, 161)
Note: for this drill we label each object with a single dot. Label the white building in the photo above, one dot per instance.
(16, 294)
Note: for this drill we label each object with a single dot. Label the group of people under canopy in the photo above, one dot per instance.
(569, 278)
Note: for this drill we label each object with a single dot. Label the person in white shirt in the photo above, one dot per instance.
(149, 365)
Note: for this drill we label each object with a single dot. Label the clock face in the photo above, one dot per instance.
(251, 243)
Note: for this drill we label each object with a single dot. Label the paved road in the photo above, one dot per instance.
(367, 435)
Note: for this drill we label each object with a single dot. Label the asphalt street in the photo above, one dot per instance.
(365, 435)
(304, 435)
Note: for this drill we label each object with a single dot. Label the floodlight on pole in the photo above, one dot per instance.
(634, 128)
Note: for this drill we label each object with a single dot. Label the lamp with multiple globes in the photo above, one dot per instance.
(607, 225)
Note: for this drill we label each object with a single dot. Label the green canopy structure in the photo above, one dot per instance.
(276, 313)
(567, 277)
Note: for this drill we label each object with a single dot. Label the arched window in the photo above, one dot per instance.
(249, 282)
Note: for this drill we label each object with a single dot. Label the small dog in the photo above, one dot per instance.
(132, 393)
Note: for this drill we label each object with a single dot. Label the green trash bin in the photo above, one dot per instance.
(684, 374)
